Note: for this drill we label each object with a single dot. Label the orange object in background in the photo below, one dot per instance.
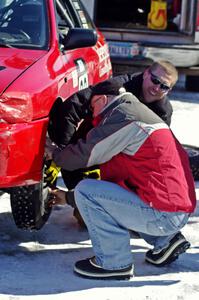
(157, 18)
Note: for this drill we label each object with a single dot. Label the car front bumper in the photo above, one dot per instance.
(22, 152)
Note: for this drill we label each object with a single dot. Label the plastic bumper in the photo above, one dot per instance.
(21, 152)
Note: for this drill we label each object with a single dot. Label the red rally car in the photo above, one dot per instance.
(49, 50)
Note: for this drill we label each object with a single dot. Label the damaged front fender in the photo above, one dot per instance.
(21, 152)
(16, 107)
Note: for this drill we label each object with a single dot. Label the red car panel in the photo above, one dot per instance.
(31, 79)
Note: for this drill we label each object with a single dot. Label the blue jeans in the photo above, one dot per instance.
(110, 211)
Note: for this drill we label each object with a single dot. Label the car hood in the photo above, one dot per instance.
(14, 62)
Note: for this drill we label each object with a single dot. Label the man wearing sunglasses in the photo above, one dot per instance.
(152, 86)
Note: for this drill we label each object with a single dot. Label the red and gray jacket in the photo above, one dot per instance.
(137, 150)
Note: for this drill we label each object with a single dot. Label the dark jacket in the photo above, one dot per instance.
(133, 84)
(65, 116)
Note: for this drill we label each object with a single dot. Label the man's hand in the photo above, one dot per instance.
(58, 197)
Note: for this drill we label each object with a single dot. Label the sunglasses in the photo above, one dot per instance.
(155, 80)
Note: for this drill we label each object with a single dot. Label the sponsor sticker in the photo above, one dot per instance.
(80, 75)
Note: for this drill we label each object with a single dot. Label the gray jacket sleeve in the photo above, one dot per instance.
(109, 138)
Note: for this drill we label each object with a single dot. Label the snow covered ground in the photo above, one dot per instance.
(39, 265)
(185, 119)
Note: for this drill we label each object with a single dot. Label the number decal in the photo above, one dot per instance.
(80, 77)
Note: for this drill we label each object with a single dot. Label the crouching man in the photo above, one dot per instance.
(146, 185)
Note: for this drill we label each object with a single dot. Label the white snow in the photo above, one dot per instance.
(39, 265)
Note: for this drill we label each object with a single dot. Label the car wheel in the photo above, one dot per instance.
(191, 83)
(29, 206)
(193, 153)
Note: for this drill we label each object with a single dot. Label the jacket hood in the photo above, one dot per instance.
(14, 62)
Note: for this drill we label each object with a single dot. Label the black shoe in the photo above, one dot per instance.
(177, 246)
(88, 268)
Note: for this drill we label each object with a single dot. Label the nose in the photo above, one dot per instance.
(156, 87)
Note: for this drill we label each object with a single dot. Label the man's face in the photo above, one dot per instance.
(156, 84)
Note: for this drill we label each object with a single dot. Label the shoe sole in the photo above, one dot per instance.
(111, 276)
(171, 255)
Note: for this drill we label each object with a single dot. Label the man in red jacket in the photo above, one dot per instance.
(146, 185)
(65, 116)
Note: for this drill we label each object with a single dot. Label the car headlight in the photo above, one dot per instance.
(16, 108)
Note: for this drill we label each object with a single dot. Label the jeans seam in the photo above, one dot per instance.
(94, 233)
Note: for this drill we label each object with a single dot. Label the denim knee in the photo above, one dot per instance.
(82, 191)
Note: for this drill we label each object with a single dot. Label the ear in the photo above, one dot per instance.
(104, 100)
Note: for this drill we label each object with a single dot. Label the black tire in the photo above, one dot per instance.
(193, 153)
(30, 207)
(191, 83)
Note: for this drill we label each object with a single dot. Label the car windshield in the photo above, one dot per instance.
(23, 24)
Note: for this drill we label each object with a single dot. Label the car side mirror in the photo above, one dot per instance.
(79, 38)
